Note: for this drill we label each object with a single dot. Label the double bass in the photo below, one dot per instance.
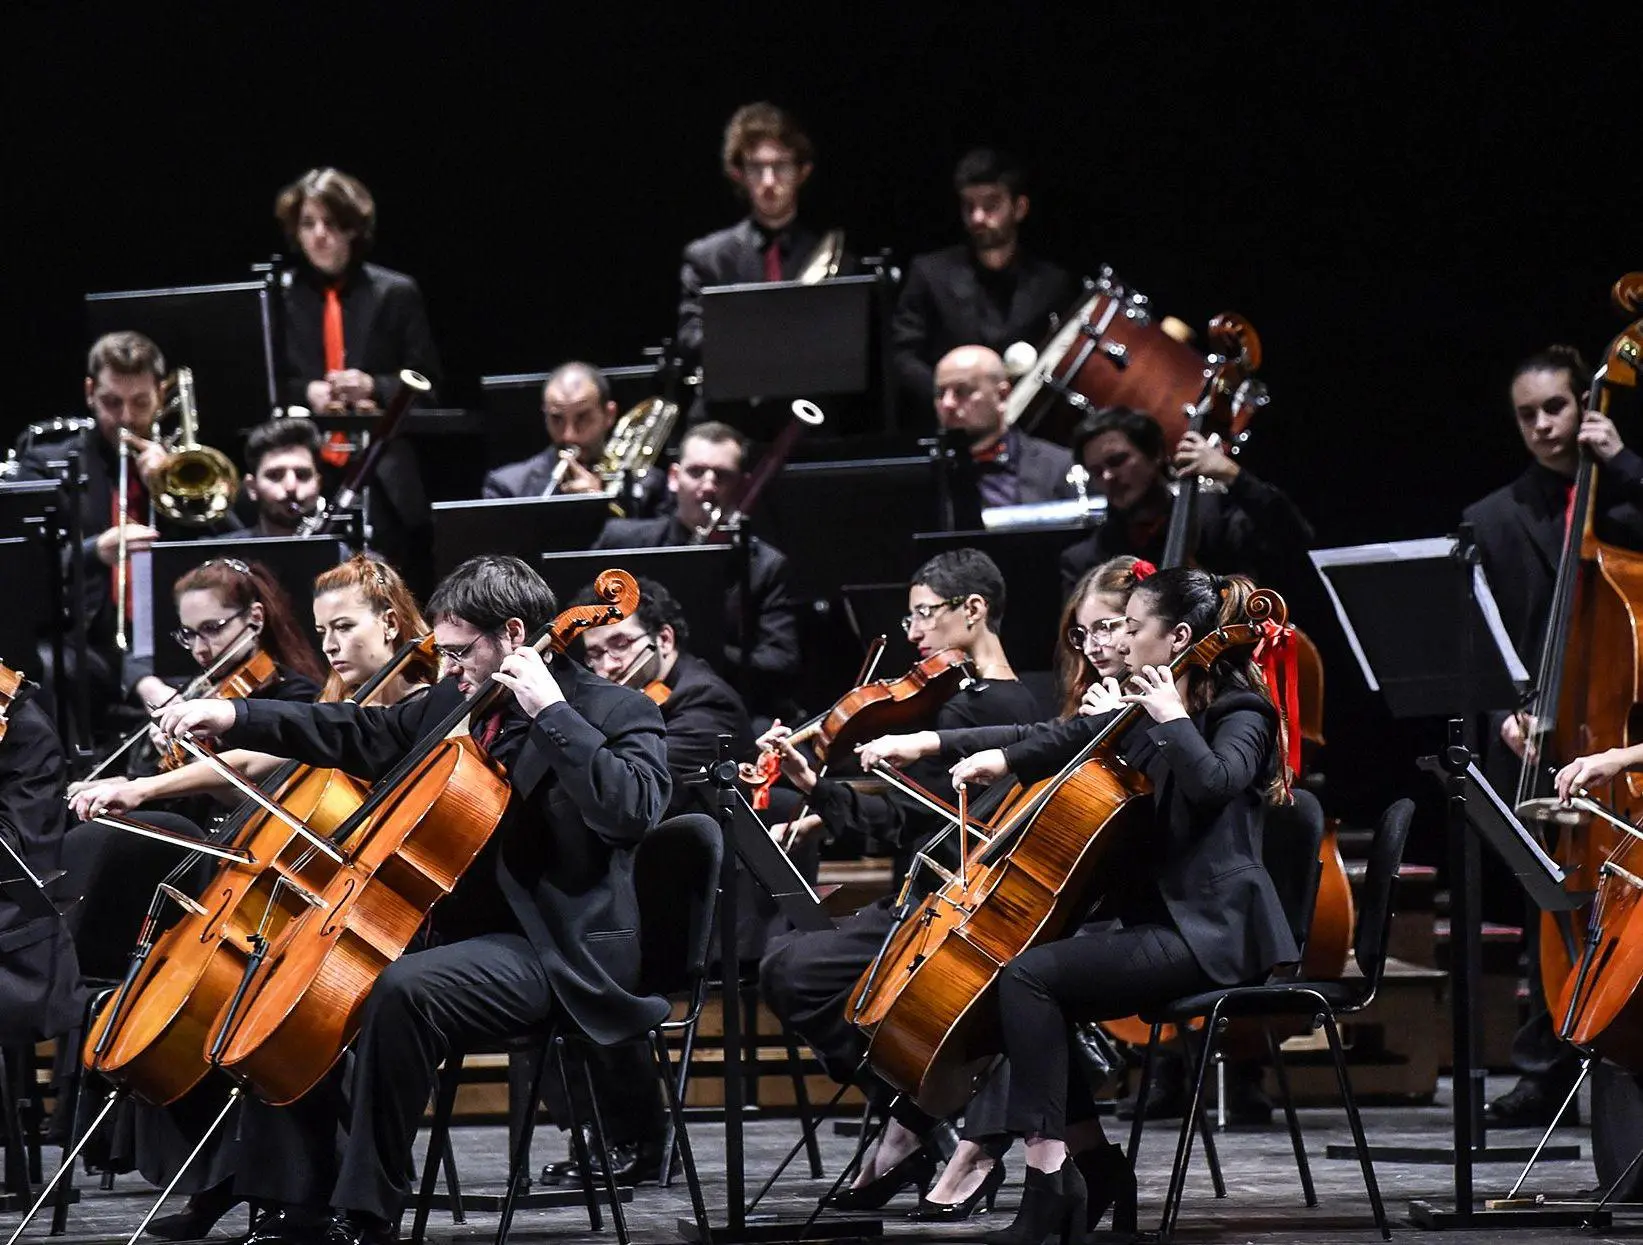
(921, 1000)
(1589, 687)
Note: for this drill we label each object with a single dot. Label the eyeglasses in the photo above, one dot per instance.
(1103, 632)
(450, 653)
(783, 169)
(616, 646)
(186, 636)
(926, 612)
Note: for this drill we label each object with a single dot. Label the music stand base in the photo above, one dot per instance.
(1435, 1217)
(771, 1229)
(1445, 1155)
(542, 1199)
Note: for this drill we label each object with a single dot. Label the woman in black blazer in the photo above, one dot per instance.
(1198, 911)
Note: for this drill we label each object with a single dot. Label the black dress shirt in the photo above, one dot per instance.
(699, 708)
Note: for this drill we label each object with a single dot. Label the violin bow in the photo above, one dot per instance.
(864, 676)
(252, 792)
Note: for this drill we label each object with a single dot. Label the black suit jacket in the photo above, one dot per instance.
(946, 302)
(384, 330)
(526, 478)
(1252, 529)
(39, 975)
(699, 708)
(589, 779)
(775, 657)
(1204, 855)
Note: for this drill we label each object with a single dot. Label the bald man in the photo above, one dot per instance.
(579, 413)
(1009, 468)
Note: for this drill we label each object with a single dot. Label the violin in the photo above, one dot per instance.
(417, 831)
(241, 682)
(656, 692)
(10, 683)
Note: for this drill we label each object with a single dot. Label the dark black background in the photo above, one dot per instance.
(1403, 201)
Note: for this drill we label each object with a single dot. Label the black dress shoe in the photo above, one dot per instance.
(355, 1228)
(956, 1212)
(196, 1220)
(1529, 1104)
(918, 1169)
(631, 1162)
(283, 1227)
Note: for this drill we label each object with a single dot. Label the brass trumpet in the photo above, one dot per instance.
(196, 484)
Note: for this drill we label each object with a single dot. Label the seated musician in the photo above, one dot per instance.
(649, 651)
(1202, 913)
(282, 474)
(124, 372)
(350, 328)
(1005, 466)
(987, 291)
(577, 406)
(1519, 531)
(543, 926)
(955, 601)
(1252, 528)
(708, 480)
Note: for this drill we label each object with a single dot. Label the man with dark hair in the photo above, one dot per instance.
(579, 412)
(544, 924)
(1249, 527)
(282, 476)
(706, 482)
(988, 292)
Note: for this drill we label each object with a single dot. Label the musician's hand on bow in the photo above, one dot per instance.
(526, 675)
(795, 767)
(139, 536)
(1517, 732)
(796, 833)
(1101, 697)
(1198, 455)
(981, 769)
(898, 751)
(115, 795)
(1153, 688)
(1599, 435)
(1583, 773)
(202, 719)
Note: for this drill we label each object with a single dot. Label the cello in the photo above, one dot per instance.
(920, 1001)
(418, 831)
(1589, 689)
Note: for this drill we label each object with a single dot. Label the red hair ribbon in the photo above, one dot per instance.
(1275, 655)
(1142, 569)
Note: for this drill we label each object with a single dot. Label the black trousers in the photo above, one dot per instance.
(427, 1004)
(1106, 971)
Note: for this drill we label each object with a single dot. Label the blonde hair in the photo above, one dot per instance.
(383, 590)
(1073, 671)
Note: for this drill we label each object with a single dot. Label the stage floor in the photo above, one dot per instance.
(1263, 1203)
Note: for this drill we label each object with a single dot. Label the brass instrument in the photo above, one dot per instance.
(824, 261)
(196, 484)
(636, 442)
(567, 456)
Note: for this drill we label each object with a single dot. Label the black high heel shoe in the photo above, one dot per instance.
(918, 1168)
(1052, 1209)
(1109, 1180)
(197, 1218)
(954, 1212)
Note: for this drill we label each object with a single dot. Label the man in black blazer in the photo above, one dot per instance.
(1003, 466)
(1519, 531)
(579, 413)
(544, 923)
(987, 292)
(708, 479)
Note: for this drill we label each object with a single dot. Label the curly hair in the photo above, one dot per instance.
(752, 124)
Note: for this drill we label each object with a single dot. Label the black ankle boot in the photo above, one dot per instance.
(1052, 1209)
(200, 1215)
(1109, 1180)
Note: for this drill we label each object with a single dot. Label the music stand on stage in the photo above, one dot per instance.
(1463, 666)
(698, 576)
(521, 526)
(776, 339)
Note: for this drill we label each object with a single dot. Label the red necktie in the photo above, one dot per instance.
(489, 729)
(773, 261)
(336, 449)
(1568, 507)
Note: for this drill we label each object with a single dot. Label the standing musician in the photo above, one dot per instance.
(1252, 528)
(955, 601)
(1519, 531)
(1204, 912)
(350, 328)
(580, 413)
(543, 924)
(1004, 466)
(708, 480)
(986, 292)
(282, 474)
(123, 390)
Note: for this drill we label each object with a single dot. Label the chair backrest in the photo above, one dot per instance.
(1380, 880)
(676, 876)
(1291, 843)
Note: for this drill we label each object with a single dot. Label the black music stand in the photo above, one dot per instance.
(295, 561)
(521, 526)
(1464, 666)
(773, 339)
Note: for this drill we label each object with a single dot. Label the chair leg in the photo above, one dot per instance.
(1147, 1063)
(450, 1077)
(17, 1168)
(579, 1143)
(670, 1145)
(453, 1183)
(1276, 1054)
(1183, 1146)
(598, 1120)
(1206, 1130)
(801, 1100)
(1356, 1122)
(521, 1152)
(680, 1135)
